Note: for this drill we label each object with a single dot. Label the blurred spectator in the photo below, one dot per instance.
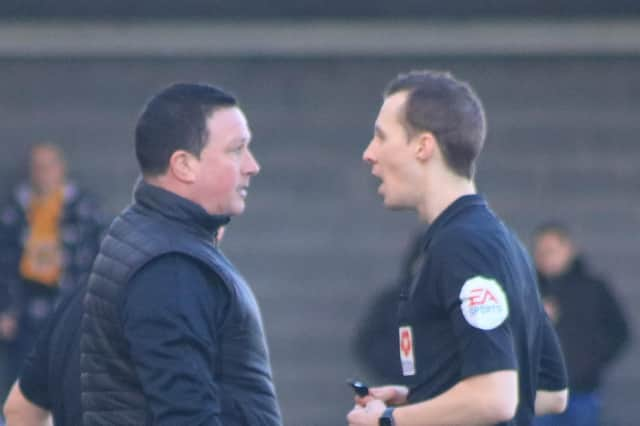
(376, 342)
(49, 384)
(589, 321)
(49, 235)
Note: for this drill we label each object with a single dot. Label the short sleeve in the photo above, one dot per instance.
(34, 376)
(36, 373)
(552, 374)
(477, 305)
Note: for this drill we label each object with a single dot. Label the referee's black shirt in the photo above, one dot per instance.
(474, 308)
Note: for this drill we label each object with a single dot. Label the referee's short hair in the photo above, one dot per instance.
(450, 110)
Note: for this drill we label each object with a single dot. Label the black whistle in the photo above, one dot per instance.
(359, 387)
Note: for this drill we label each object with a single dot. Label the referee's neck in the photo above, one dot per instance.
(443, 193)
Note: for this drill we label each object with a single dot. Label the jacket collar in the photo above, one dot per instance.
(178, 209)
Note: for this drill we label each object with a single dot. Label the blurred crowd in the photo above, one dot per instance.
(49, 235)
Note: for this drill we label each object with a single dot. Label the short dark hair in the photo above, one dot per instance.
(553, 227)
(448, 108)
(176, 119)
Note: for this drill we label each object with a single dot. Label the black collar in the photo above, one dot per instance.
(178, 209)
(450, 212)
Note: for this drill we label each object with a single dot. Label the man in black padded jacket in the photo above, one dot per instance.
(171, 332)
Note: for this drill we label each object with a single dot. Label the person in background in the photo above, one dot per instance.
(48, 388)
(589, 321)
(49, 236)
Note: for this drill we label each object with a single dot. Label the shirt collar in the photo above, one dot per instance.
(459, 205)
(178, 209)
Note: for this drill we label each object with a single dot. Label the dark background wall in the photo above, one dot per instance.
(315, 242)
(216, 9)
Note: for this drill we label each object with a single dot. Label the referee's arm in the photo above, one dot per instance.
(552, 392)
(482, 399)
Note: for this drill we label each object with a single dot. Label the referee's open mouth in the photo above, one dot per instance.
(380, 181)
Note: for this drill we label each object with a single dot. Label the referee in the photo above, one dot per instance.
(475, 345)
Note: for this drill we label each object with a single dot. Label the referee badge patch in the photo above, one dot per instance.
(484, 303)
(407, 359)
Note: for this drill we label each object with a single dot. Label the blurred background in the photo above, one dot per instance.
(560, 81)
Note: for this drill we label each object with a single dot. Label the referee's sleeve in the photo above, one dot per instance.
(483, 331)
(552, 374)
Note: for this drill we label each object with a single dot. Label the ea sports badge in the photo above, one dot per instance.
(484, 304)
(406, 351)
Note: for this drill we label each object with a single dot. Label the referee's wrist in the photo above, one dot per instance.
(387, 417)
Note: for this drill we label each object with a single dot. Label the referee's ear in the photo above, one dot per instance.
(426, 145)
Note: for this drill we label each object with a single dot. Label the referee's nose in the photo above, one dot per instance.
(367, 155)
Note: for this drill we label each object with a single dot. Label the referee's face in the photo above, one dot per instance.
(391, 156)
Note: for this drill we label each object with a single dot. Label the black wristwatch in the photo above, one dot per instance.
(387, 417)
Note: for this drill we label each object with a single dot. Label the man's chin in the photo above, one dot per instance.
(394, 205)
(239, 208)
(231, 210)
(389, 204)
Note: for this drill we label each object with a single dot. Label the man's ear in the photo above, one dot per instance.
(183, 166)
(426, 145)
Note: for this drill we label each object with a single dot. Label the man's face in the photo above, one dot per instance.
(226, 164)
(46, 168)
(392, 156)
(553, 254)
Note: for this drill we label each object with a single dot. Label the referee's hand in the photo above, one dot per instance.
(367, 415)
(390, 395)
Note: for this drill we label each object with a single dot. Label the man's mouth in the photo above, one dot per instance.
(380, 180)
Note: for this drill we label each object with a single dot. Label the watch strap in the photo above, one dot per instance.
(387, 417)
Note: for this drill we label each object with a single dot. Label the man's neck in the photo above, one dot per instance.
(441, 193)
(168, 184)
